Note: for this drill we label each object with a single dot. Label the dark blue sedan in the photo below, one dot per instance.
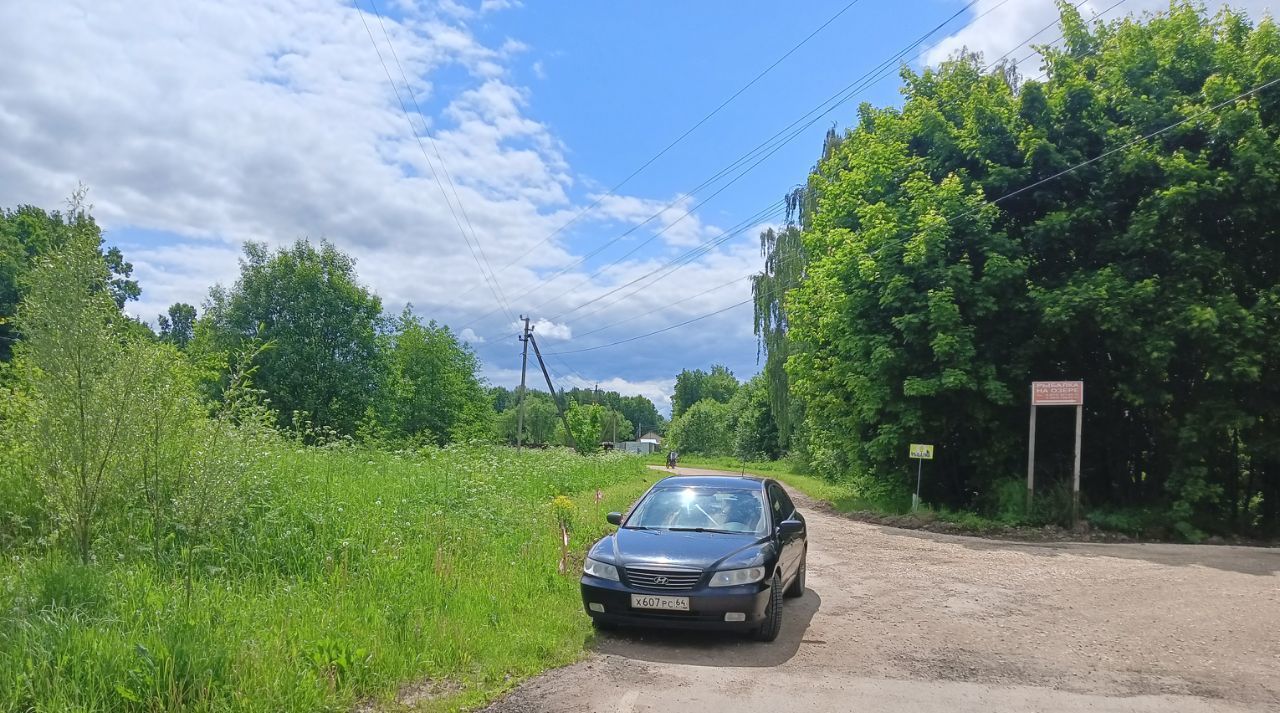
(701, 552)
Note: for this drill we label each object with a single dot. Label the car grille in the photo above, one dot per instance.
(667, 580)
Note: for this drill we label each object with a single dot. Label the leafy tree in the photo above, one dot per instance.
(592, 425)
(693, 386)
(178, 326)
(752, 423)
(641, 413)
(305, 301)
(703, 428)
(541, 419)
(85, 377)
(638, 410)
(28, 234)
(1150, 272)
(433, 393)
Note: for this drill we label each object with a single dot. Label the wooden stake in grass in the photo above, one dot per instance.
(563, 508)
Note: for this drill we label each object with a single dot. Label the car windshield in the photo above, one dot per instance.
(709, 509)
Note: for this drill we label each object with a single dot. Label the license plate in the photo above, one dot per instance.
(652, 601)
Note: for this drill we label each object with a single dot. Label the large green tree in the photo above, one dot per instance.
(305, 302)
(638, 410)
(951, 261)
(29, 234)
(432, 392)
(704, 428)
(751, 421)
(177, 327)
(541, 419)
(694, 385)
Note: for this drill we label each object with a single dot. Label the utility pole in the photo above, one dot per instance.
(524, 363)
(568, 432)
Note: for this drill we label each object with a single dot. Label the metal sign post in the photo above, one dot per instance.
(1056, 393)
(921, 453)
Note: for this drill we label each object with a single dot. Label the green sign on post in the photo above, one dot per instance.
(921, 452)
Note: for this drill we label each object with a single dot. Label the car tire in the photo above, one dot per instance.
(797, 585)
(772, 623)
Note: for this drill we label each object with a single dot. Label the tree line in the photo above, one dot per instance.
(714, 414)
(325, 357)
(909, 300)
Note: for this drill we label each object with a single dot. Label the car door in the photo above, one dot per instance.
(789, 546)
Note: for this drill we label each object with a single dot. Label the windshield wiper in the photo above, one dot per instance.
(638, 527)
(704, 529)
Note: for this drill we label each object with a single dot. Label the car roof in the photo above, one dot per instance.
(742, 482)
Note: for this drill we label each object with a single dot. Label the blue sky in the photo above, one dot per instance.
(198, 126)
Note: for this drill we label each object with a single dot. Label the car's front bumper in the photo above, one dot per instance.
(707, 606)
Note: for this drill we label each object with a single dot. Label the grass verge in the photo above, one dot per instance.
(353, 577)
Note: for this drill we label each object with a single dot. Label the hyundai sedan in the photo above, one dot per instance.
(702, 552)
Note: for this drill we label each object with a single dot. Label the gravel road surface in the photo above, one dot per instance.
(897, 620)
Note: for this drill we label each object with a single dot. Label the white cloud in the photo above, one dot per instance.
(539, 70)
(177, 273)
(242, 120)
(545, 329)
(1010, 23)
(678, 226)
(200, 125)
(487, 6)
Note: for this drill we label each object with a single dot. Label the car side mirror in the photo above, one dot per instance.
(614, 518)
(790, 527)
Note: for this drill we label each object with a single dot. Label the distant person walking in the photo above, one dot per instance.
(671, 459)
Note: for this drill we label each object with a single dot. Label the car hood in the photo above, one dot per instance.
(702, 550)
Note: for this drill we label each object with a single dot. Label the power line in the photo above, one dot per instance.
(755, 219)
(669, 305)
(1058, 21)
(678, 139)
(874, 80)
(867, 80)
(992, 202)
(477, 250)
(684, 259)
(656, 331)
(770, 146)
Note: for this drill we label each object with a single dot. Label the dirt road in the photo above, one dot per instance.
(920, 622)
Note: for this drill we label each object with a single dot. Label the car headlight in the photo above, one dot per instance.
(600, 569)
(732, 577)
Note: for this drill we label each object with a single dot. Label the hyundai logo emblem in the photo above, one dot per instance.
(660, 580)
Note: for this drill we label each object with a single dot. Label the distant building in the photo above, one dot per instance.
(643, 448)
(651, 437)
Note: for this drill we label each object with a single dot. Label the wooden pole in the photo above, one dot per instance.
(1031, 460)
(1075, 469)
(568, 432)
(915, 504)
(524, 364)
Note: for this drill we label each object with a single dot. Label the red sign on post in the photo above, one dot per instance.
(1057, 393)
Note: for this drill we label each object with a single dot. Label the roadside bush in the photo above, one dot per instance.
(1135, 522)
(1006, 502)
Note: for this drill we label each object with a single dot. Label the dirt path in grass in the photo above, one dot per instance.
(898, 620)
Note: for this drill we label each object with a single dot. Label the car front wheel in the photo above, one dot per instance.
(772, 623)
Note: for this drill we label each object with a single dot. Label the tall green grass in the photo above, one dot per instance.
(349, 574)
